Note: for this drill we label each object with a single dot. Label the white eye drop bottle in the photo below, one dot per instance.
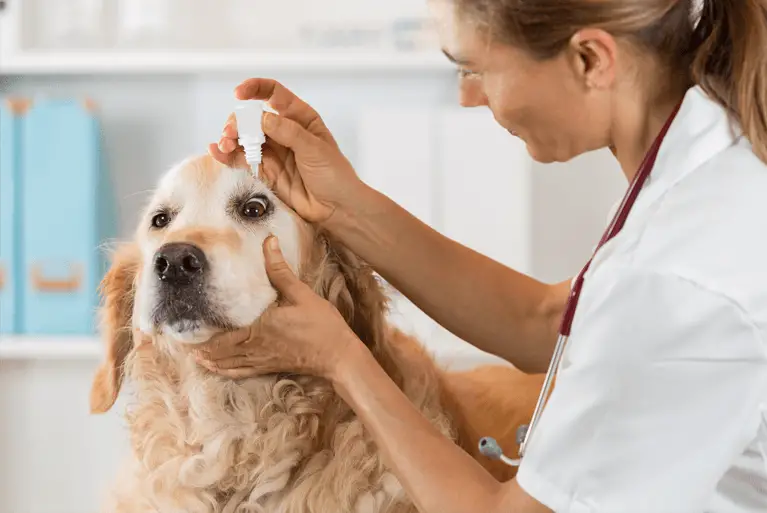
(251, 135)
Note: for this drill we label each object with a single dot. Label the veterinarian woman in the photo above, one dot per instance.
(660, 404)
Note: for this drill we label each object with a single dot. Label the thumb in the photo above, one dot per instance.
(280, 273)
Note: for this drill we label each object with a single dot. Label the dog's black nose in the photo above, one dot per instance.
(179, 263)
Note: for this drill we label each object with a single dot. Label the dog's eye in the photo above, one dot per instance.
(255, 208)
(160, 220)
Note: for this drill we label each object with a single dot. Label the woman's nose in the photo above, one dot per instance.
(471, 92)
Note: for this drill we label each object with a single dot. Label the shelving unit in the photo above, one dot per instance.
(107, 62)
(19, 55)
(49, 348)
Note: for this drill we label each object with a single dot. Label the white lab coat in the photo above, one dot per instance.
(660, 405)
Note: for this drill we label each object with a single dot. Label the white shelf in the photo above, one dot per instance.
(116, 62)
(49, 348)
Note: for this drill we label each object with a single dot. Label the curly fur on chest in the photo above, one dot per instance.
(204, 444)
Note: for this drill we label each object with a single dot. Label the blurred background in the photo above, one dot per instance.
(100, 97)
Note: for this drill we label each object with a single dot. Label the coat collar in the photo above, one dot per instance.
(701, 130)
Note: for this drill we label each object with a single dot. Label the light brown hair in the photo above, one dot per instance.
(725, 52)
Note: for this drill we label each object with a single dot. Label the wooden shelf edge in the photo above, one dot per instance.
(31, 347)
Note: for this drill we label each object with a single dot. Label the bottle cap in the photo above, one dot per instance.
(251, 135)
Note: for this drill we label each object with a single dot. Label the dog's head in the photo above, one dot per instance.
(200, 240)
(196, 267)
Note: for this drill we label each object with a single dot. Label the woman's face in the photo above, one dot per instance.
(549, 104)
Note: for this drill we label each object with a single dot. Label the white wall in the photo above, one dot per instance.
(571, 202)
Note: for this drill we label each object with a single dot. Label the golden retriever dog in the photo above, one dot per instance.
(279, 443)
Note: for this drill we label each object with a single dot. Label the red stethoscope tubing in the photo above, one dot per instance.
(619, 219)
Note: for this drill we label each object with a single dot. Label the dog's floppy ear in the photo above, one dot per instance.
(117, 292)
(352, 287)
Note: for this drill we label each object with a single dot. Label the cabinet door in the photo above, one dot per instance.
(60, 210)
(9, 219)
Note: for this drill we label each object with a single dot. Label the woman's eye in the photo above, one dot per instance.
(255, 208)
(160, 220)
(465, 73)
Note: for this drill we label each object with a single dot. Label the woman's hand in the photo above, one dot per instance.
(301, 159)
(306, 336)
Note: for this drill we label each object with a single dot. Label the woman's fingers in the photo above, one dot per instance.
(227, 145)
(280, 98)
(236, 373)
(282, 276)
(230, 128)
(288, 133)
(245, 372)
(216, 153)
(234, 158)
(272, 172)
(286, 103)
(281, 151)
(235, 362)
(229, 141)
(224, 345)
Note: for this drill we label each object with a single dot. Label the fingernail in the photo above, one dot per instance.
(270, 121)
(274, 245)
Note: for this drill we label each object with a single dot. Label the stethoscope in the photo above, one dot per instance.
(488, 446)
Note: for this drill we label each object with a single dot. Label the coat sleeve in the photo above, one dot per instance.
(659, 391)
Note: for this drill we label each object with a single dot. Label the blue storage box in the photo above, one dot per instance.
(67, 212)
(10, 220)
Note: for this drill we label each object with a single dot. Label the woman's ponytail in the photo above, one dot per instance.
(730, 62)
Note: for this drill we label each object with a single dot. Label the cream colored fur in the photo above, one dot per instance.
(269, 444)
(202, 443)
